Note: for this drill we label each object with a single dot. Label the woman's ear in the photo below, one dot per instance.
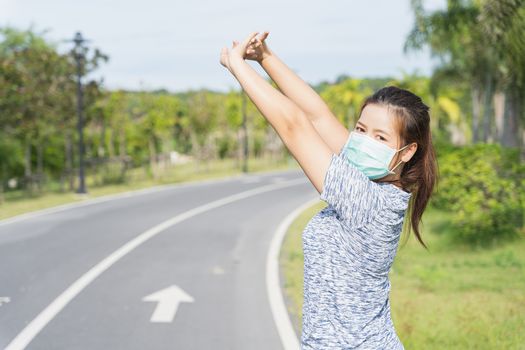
(409, 152)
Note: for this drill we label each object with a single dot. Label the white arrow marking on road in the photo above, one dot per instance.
(4, 300)
(45, 316)
(168, 301)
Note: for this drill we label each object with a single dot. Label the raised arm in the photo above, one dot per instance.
(326, 124)
(288, 120)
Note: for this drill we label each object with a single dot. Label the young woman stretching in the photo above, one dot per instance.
(369, 177)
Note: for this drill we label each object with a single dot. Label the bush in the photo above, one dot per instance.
(225, 145)
(483, 185)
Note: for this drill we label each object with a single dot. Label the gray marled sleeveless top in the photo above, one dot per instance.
(349, 247)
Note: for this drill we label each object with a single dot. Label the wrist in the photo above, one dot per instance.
(265, 57)
(233, 62)
(235, 59)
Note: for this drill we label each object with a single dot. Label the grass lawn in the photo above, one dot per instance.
(450, 297)
(19, 202)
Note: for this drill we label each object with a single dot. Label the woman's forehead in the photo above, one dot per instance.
(376, 116)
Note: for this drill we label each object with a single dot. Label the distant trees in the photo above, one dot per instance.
(37, 106)
(123, 129)
(481, 43)
(476, 95)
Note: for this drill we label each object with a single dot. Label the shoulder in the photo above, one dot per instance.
(354, 197)
(396, 197)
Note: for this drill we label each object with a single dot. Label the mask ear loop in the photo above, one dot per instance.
(392, 170)
(401, 161)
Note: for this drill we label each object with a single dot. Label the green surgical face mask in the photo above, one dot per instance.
(370, 156)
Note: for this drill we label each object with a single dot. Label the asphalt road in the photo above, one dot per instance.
(180, 267)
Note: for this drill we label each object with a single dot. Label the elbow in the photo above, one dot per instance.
(288, 120)
(298, 120)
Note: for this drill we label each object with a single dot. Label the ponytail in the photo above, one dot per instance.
(420, 174)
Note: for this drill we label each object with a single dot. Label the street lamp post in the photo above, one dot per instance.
(79, 52)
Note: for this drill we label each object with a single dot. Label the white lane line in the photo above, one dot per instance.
(251, 180)
(4, 300)
(38, 323)
(109, 197)
(281, 318)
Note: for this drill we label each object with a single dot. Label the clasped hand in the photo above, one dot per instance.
(252, 48)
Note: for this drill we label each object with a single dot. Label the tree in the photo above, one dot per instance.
(480, 42)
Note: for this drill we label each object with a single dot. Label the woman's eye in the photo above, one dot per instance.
(358, 128)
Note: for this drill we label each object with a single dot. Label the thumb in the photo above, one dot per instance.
(264, 36)
(249, 38)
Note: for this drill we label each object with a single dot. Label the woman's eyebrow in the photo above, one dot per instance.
(380, 130)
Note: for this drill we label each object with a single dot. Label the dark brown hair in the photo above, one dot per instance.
(420, 174)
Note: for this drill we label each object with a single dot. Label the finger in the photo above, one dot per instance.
(261, 38)
(249, 38)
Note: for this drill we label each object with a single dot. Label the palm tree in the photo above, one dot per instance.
(480, 42)
(503, 23)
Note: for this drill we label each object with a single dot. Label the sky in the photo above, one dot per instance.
(176, 44)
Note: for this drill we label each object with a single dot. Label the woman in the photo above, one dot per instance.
(368, 177)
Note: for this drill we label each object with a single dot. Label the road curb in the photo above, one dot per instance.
(289, 339)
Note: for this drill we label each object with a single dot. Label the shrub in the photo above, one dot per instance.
(483, 185)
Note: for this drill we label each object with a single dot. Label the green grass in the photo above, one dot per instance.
(19, 202)
(450, 297)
